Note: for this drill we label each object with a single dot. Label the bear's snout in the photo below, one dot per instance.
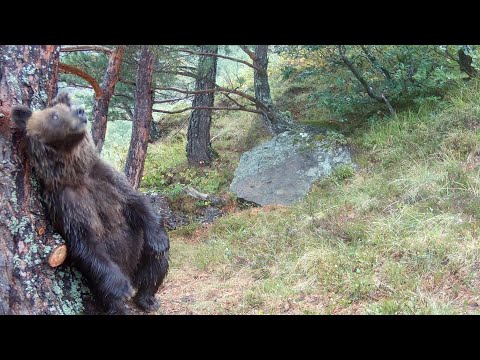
(80, 113)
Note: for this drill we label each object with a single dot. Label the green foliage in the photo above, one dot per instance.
(342, 172)
(203, 203)
(161, 159)
(408, 75)
(207, 180)
(175, 191)
(336, 138)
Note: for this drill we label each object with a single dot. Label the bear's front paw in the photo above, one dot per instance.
(120, 287)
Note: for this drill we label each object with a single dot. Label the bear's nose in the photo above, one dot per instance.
(80, 113)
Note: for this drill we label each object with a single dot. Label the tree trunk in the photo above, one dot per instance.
(142, 117)
(100, 108)
(199, 152)
(465, 62)
(275, 121)
(28, 285)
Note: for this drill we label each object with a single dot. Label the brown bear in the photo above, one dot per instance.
(113, 235)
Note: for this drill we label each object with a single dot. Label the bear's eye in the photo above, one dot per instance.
(54, 117)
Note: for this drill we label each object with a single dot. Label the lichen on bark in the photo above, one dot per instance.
(28, 285)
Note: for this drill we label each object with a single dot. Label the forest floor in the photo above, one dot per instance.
(399, 236)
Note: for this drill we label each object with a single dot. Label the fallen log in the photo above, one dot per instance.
(215, 200)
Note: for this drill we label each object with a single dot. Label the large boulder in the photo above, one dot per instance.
(282, 170)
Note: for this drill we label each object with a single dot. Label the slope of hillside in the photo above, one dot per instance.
(400, 236)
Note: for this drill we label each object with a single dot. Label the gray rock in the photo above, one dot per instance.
(282, 170)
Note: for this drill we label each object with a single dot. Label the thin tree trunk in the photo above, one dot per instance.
(28, 285)
(465, 62)
(380, 98)
(274, 120)
(141, 118)
(100, 108)
(199, 152)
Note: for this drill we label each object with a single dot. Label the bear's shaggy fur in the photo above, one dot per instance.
(113, 235)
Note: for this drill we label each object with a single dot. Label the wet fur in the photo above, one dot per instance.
(114, 237)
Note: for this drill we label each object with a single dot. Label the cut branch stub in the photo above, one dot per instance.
(58, 256)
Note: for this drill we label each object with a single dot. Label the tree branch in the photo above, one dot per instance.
(184, 91)
(207, 108)
(69, 69)
(124, 95)
(181, 73)
(253, 66)
(73, 48)
(242, 94)
(374, 62)
(249, 52)
(382, 98)
(170, 100)
(217, 88)
(232, 100)
(127, 82)
(75, 85)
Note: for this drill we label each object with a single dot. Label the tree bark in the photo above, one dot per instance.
(141, 118)
(28, 285)
(199, 152)
(274, 120)
(100, 108)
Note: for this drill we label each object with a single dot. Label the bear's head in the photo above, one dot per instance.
(60, 125)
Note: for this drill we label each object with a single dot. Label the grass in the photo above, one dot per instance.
(398, 236)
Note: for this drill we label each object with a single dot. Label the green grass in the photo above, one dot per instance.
(117, 139)
(161, 159)
(399, 236)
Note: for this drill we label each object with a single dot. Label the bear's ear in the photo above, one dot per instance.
(20, 115)
(62, 98)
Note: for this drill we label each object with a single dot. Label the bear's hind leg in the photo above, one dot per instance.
(153, 264)
(149, 276)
